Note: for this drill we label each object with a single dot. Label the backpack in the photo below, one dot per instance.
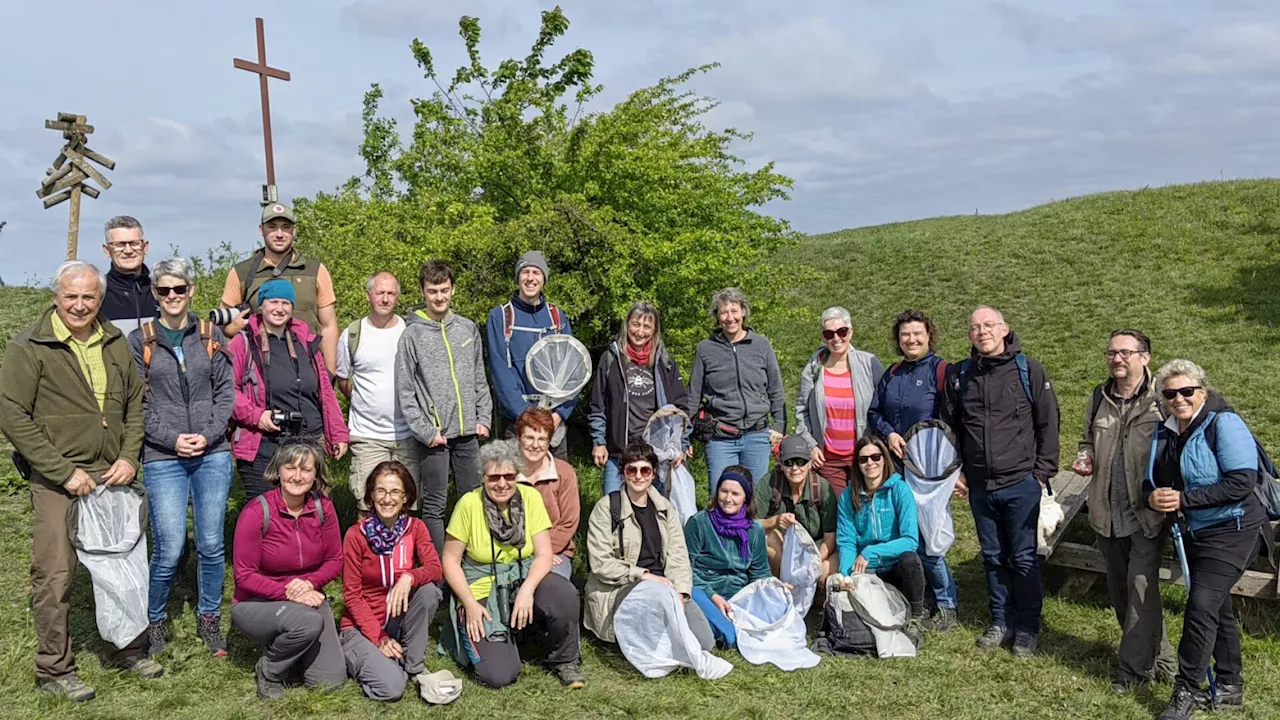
(509, 324)
(149, 335)
(966, 370)
(940, 374)
(353, 342)
(844, 633)
(266, 511)
(615, 517)
(1268, 488)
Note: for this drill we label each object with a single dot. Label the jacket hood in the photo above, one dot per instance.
(1012, 346)
(414, 318)
(44, 328)
(299, 327)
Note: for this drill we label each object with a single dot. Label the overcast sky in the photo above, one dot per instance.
(880, 111)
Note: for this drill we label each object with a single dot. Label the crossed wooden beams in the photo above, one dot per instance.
(66, 179)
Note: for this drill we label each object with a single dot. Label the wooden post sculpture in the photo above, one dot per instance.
(264, 71)
(66, 179)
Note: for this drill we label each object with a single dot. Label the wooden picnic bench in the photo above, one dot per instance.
(1072, 491)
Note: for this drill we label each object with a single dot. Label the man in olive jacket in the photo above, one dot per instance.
(71, 405)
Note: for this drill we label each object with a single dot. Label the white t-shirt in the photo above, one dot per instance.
(375, 411)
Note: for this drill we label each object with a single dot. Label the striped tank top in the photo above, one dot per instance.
(842, 414)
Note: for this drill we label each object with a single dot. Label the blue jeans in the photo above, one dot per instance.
(750, 450)
(206, 480)
(721, 627)
(1007, 520)
(941, 581)
(613, 476)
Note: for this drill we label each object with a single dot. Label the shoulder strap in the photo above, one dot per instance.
(940, 376)
(555, 317)
(508, 324)
(266, 514)
(1095, 402)
(962, 378)
(148, 349)
(1024, 375)
(894, 368)
(319, 508)
(353, 341)
(815, 488)
(245, 282)
(206, 338)
(615, 516)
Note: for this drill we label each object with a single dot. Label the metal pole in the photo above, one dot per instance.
(1186, 580)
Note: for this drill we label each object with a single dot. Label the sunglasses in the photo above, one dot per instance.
(504, 477)
(644, 471)
(795, 462)
(179, 289)
(831, 334)
(873, 457)
(1185, 392)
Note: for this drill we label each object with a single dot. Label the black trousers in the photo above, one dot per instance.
(908, 576)
(251, 473)
(1133, 572)
(556, 610)
(1209, 624)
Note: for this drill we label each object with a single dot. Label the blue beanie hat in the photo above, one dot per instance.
(743, 479)
(277, 289)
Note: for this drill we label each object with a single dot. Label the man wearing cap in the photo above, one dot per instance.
(277, 258)
(511, 330)
(797, 495)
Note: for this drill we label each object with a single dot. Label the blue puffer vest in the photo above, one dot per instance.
(1203, 463)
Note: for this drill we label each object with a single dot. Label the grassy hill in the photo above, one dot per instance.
(1192, 266)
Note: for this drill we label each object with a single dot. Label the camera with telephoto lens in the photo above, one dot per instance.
(225, 316)
(507, 601)
(289, 422)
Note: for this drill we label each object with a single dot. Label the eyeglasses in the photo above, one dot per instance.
(1122, 354)
(989, 326)
(534, 442)
(395, 494)
(795, 462)
(873, 457)
(503, 477)
(134, 245)
(644, 471)
(843, 332)
(176, 289)
(1185, 392)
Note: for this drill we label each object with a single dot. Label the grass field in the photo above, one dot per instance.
(1193, 266)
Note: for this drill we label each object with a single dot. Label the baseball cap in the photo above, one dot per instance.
(792, 447)
(275, 211)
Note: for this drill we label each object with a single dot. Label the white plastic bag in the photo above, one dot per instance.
(801, 567)
(931, 466)
(665, 433)
(106, 528)
(769, 628)
(654, 635)
(884, 609)
(1051, 517)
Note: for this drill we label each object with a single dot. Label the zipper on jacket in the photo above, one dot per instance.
(737, 371)
(297, 534)
(626, 402)
(453, 375)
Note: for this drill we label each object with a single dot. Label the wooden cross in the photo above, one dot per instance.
(264, 71)
(65, 180)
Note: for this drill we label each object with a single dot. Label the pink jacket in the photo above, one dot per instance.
(300, 547)
(251, 401)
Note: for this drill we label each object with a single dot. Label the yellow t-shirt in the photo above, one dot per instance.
(469, 525)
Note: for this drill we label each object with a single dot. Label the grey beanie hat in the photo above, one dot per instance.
(533, 258)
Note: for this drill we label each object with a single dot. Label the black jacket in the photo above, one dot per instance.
(1003, 435)
(129, 299)
(608, 412)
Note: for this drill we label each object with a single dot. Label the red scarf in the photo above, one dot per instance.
(640, 357)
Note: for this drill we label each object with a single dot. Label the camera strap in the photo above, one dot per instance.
(493, 560)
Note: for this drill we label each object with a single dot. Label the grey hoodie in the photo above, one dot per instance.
(739, 383)
(440, 377)
(197, 401)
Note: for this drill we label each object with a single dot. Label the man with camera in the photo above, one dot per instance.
(278, 259)
(283, 393)
(71, 405)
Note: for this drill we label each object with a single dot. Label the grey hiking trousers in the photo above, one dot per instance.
(297, 640)
(381, 677)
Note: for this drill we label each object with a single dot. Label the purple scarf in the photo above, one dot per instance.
(736, 525)
(383, 539)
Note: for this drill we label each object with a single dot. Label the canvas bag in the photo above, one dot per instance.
(931, 466)
(801, 567)
(665, 433)
(108, 530)
(885, 611)
(769, 628)
(1051, 516)
(654, 635)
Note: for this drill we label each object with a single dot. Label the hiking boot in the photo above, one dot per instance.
(1024, 644)
(157, 637)
(1183, 703)
(1230, 697)
(940, 621)
(995, 637)
(267, 689)
(1125, 686)
(69, 686)
(144, 666)
(570, 675)
(209, 628)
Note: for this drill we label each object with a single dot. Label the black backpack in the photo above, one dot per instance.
(844, 634)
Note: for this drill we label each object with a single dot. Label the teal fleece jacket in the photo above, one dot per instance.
(718, 567)
(881, 530)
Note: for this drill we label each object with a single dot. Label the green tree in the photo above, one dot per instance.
(640, 201)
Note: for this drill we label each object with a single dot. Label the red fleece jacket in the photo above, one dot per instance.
(367, 577)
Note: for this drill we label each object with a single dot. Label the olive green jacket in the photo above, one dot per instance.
(51, 415)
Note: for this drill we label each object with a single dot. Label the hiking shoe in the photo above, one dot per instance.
(1128, 685)
(1183, 703)
(915, 632)
(995, 637)
(157, 637)
(1230, 697)
(144, 666)
(570, 675)
(1024, 644)
(267, 689)
(69, 686)
(209, 628)
(941, 620)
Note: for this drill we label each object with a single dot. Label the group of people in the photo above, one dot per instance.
(86, 405)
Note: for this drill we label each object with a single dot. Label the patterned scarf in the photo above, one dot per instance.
(383, 539)
(734, 526)
(508, 531)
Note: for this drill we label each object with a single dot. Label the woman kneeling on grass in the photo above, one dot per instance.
(647, 543)
(876, 528)
(798, 496)
(497, 561)
(389, 582)
(287, 548)
(727, 551)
